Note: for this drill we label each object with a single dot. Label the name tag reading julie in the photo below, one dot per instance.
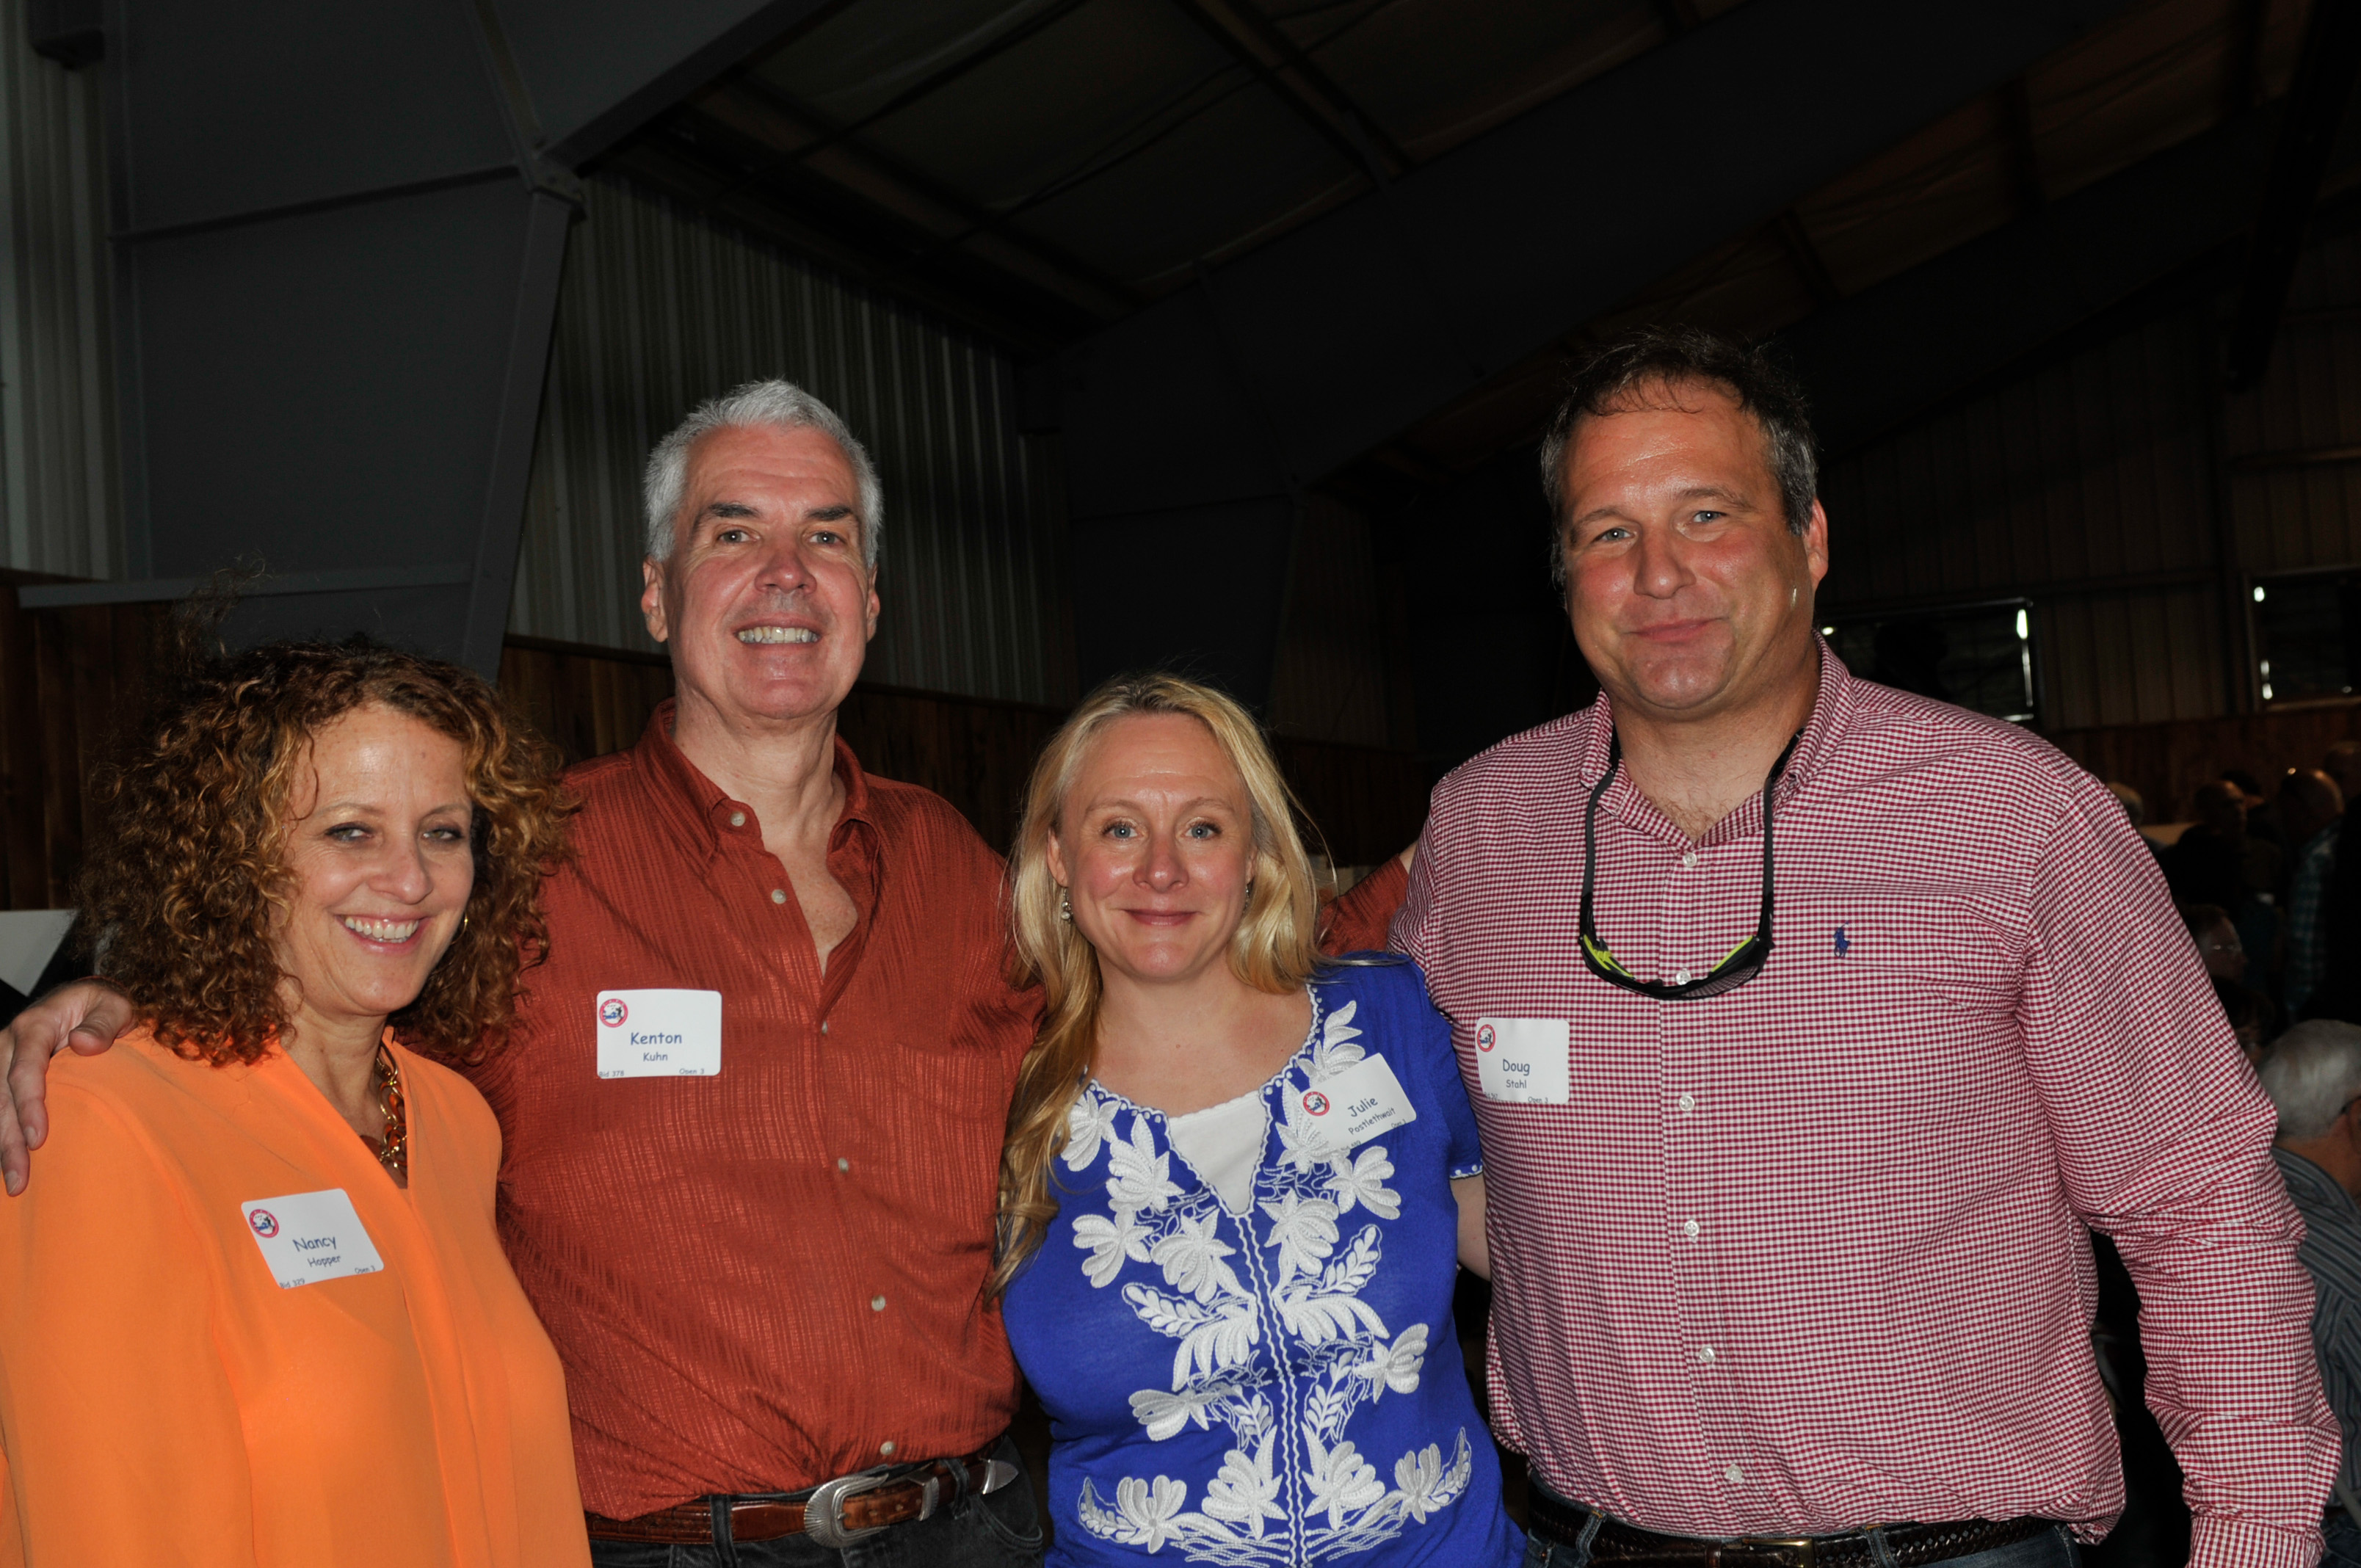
(1521, 1060)
(306, 1237)
(1354, 1106)
(659, 1034)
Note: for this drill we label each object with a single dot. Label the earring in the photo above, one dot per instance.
(1065, 909)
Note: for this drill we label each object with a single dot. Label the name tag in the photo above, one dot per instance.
(1352, 1107)
(306, 1237)
(1521, 1060)
(659, 1034)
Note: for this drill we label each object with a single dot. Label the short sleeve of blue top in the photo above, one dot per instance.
(1280, 1386)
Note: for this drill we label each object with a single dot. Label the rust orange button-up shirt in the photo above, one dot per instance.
(759, 1279)
(163, 1399)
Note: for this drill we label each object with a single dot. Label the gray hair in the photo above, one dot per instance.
(2311, 1074)
(780, 403)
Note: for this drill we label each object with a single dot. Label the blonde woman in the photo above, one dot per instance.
(1239, 1179)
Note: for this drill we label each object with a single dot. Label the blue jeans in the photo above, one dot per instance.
(2343, 1537)
(2052, 1549)
(1003, 1531)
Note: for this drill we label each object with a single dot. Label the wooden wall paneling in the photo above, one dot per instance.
(2165, 762)
(23, 786)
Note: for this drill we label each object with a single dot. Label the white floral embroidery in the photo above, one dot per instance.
(1362, 1180)
(1292, 1487)
(1091, 1122)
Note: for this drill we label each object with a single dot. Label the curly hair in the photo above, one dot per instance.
(182, 890)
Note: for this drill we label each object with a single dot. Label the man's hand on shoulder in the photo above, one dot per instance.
(89, 1015)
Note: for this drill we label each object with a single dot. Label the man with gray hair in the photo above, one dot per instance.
(753, 1100)
(2313, 1077)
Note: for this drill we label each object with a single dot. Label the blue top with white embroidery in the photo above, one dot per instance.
(1283, 1385)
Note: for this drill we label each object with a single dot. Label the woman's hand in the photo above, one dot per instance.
(1468, 1191)
(89, 1015)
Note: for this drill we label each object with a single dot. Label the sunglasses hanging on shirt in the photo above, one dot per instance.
(1744, 962)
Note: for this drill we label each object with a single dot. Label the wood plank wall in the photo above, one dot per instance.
(69, 678)
(2167, 762)
(975, 752)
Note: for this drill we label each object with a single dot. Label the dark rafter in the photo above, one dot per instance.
(1805, 256)
(2242, 62)
(1303, 86)
(949, 73)
(2015, 106)
(2324, 84)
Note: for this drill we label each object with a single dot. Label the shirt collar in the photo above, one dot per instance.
(699, 805)
(2308, 1181)
(1833, 707)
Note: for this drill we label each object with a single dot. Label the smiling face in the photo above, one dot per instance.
(765, 600)
(378, 866)
(1155, 847)
(1690, 596)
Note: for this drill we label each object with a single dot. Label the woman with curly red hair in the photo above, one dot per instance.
(262, 1316)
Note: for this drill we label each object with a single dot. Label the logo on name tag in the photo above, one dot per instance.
(612, 1012)
(1485, 1036)
(265, 1222)
(1316, 1104)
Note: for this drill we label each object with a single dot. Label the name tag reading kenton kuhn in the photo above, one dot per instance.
(659, 1034)
(306, 1237)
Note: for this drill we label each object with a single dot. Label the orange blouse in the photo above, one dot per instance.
(162, 1398)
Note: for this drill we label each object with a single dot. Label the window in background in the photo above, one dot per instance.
(2308, 636)
(1980, 656)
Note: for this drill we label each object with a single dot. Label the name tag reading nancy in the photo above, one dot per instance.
(659, 1034)
(1354, 1106)
(1521, 1060)
(306, 1237)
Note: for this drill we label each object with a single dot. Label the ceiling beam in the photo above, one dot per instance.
(1287, 71)
(1976, 309)
(1805, 259)
(786, 132)
(2325, 74)
(1199, 420)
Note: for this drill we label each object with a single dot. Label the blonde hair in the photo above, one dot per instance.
(1275, 948)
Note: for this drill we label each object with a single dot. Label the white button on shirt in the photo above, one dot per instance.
(1688, 860)
(1690, 1228)
(1680, 977)
(1687, 1102)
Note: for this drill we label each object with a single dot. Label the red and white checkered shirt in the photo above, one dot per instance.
(1810, 1255)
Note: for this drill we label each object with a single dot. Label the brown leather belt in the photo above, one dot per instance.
(1913, 1545)
(834, 1513)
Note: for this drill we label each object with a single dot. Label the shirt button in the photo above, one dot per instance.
(1687, 1102)
(778, 896)
(1705, 1353)
(737, 819)
(1734, 1474)
(877, 1303)
(1688, 860)
(823, 1026)
(1680, 976)
(886, 1447)
(1690, 1228)
(842, 1164)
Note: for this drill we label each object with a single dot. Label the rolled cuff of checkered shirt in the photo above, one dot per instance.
(2218, 1542)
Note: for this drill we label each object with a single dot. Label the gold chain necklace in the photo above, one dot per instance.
(393, 1149)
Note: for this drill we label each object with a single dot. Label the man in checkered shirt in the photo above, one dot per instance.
(1796, 1104)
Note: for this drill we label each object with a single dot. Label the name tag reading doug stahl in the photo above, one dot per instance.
(1521, 1060)
(1352, 1107)
(659, 1034)
(306, 1237)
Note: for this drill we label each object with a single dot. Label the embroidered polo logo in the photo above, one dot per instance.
(614, 1013)
(1844, 943)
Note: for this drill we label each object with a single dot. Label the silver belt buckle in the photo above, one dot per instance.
(824, 1509)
